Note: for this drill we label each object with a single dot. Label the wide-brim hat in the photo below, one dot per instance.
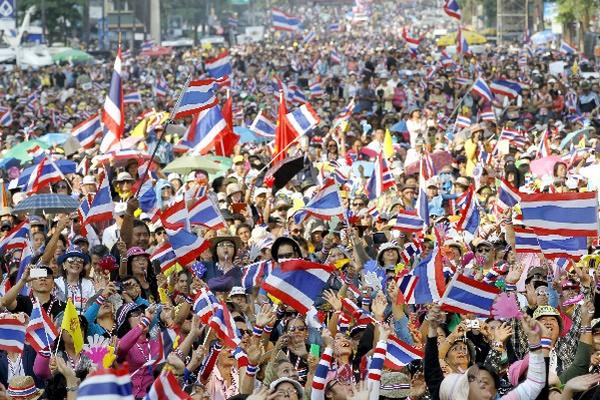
(124, 311)
(23, 388)
(233, 239)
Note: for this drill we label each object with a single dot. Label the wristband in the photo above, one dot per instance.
(100, 299)
(585, 329)
(510, 287)
(251, 370)
(257, 330)
(144, 322)
(268, 329)
(546, 342)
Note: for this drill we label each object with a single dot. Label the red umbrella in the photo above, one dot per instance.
(440, 159)
(157, 51)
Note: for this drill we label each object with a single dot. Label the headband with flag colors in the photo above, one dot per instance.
(197, 96)
(113, 114)
(108, 383)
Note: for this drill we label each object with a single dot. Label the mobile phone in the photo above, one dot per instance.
(38, 273)
(315, 350)
(379, 238)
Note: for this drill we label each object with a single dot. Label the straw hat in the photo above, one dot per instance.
(23, 388)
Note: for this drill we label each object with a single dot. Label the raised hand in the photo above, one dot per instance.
(379, 305)
(333, 299)
(265, 316)
(503, 332)
(582, 382)
(514, 273)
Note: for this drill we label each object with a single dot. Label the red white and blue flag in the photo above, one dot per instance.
(41, 331)
(88, 131)
(161, 88)
(381, 179)
(316, 90)
(204, 131)
(452, 9)
(187, 246)
(6, 118)
(481, 88)
(175, 216)
(12, 334)
(506, 87)
(284, 22)
(166, 386)
(303, 119)
(203, 212)
(113, 113)
(43, 174)
(431, 284)
(254, 274)
(406, 287)
(326, 204)
(465, 295)
(525, 240)
(263, 126)
(469, 216)
(462, 121)
(544, 149)
(102, 207)
(224, 326)
(515, 137)
(422, 201)
(400, 354)
(508, 195)
(132, 98)
(408, 221)
(165, 256)
(205, 304)
(108, 384)
(566, 48)
(462, 46)
(219, 66)
(198, 95)
(412, 43)
(563, 214)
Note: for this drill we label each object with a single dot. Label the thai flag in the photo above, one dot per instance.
(113, 114)
(400, 354)
(284, 22)
(303, 119)
(544, 146)
(410, 251)
(43, 175)
(203, 212)
(335, 27)
(147, 45)
(32, 102)
(525, 240)
(205, 129)
(295, 95)
(36, 153)
(309, 37)
(165, 256)
(26, 257)
(422, 201)
(12, 334)
(224, 326)
(316, 90)
(326, 204)
(462, 46)
(263, 126)
(406, 286)
(559, 246)
(254, 274)
(147, 196)
(88, 131)
(166, 386)
(561, 265)
(487, 115)
(465, 295)
(431, 285)
(41, 331)
(381, 179)
(205, 304)
(233, 22)
(132, 98)
(469, 218)
(412, 43)
(102, 206)
(408, 221)
(514, 137)
(199, 95)
(187, 246)
(335, 57)
(565, 48)
(219, 66)
(565, 214)
(175, 216)
(482, 89)
(108, 384)
(446, 60)
(452, 9)
(508, 195)
(505, 87)
(373, 212)
(6, 119)
(298, 283)
(463, 121)
(462, 80)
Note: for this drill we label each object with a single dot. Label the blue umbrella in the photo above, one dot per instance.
(51, 203)
(65, 166)
(54, 139)
(9, 162)
(543, 37)
(399, 126)
(247, 136)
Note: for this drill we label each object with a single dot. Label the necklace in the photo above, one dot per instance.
(15, 366)
(146, 356)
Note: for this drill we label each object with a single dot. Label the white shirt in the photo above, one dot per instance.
(79, 295)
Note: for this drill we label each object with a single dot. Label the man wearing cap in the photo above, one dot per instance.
(124, 186)
(239, 169)
(88, 185)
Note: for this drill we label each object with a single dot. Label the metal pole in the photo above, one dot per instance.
(118, 5)
(44, 18)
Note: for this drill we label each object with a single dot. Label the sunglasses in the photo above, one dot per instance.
(357, 204)
(484, 250)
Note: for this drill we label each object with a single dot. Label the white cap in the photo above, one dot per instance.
(236, 291)
(260, 191)
(173, 176)
(120, 208)
(89, 180)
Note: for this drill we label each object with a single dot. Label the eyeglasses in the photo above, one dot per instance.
(74, 260)
(297, 328)
(484, 250)
(225, 244)
(358, 204)
(286, 255)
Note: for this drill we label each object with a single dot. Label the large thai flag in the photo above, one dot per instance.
(106, 384)
(400, 354)
(408, 221)
(113, 113)
(565, 48)
(284, 22)
(219, 66)
(326, 204)
(88, 131)
(187, 246)
(166, 386)
(165, 256)
(422, 201)
(205, 304)
(298, 283)
(381, 178)
(175, 216)
(224, 326)
(508, 195)
(564, 214)
(303, 119)
(481, 88)
(254, 274)
(263, 126)
(204, 131)
(465, 295)
(526, 240)
(204, 212)
(41, 331)
(452, 9)
(506, 87)
(430, 286)
(12, 334)
(469, 216)
(102, 207)
(17, 238)
(198, 95)
(558, 246)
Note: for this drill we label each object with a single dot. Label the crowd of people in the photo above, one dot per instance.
(211, 327)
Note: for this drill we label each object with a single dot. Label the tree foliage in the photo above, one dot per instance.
(63, 17)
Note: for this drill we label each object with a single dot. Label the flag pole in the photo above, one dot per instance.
(162, 135)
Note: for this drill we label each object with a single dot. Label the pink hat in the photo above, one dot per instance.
(136, 251)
